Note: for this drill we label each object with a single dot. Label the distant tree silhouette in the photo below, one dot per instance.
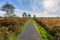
(9, 9)
(24, 15)
(29, 15)
(34, 16)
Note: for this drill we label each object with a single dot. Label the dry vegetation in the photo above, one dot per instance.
(52, 25)
(8, 26)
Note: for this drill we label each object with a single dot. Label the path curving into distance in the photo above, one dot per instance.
(30, 33)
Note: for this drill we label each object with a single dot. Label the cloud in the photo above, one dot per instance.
(49, 3)
(19, 12)
(36, 5)
(2, 13)
(50, 8)
(43, 8)
(41, 14)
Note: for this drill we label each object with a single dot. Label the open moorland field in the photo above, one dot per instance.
(51, 25)
(11, 27)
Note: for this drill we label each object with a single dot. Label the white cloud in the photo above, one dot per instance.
(35, 5)
(2, 13)
(19, 12)
(51, 7)
(50, 3)
(41, 14)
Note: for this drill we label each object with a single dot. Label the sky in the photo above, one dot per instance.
(40, 8)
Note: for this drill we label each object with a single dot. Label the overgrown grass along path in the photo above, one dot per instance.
(20, 30)
(43, 33)
(30, 33)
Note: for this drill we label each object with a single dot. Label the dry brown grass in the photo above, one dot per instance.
(8, 26)
(52, 25)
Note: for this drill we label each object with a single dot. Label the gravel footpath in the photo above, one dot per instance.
(30, 33)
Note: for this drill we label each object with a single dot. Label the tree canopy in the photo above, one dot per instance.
(9, 9)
